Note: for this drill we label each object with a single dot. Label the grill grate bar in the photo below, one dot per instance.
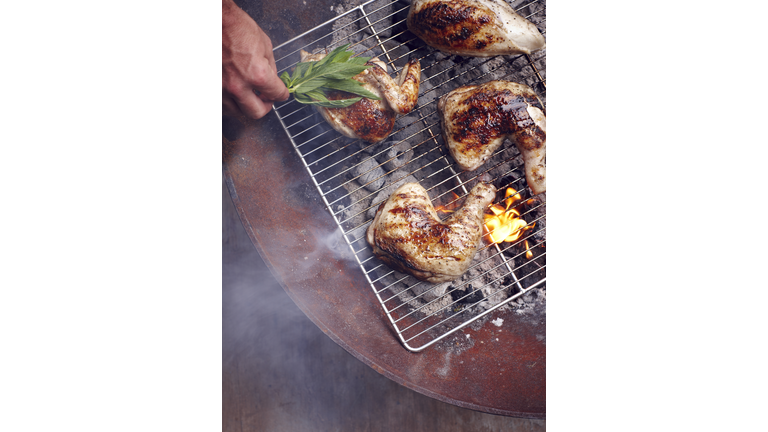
(348, 172)
(505, 264)
(372, 157)
(415, 171)
(318, 40)
(353, 155)
(387, 173)
(421, 321)
(498, 152)
(493, 181)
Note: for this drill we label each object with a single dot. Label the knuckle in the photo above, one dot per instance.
(232, 85)
(260, 76)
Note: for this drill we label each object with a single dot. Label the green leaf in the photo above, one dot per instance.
(358, 60)
(350, 86)
(286, 79)
(301, 70)
(339, 103)
(340, 70)
(309, 85)
(341, 57)
(317, 95)
(331, 55)
(312, 80)
(323, 101)
(301, 97)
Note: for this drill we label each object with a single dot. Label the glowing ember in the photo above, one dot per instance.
(505, 224)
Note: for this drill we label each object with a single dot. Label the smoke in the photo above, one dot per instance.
(318, 250)
(334, 243)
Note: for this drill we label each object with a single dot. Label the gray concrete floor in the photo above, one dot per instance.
(281, 373)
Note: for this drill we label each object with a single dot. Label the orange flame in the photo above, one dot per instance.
(505, 224)
(450, 207)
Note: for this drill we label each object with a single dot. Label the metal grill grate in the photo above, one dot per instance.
(354, 177)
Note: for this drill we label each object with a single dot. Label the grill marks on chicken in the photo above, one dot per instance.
(367, 119)
(408, 236)
(476, 120)
(458, 27)
(479, 28)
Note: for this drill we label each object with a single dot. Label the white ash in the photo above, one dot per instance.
(354, 212)
(530, 302)
(398, 155)
(345, 28)
(498, 322)
(394, 181)
(369, 174)
(428, 292)
(414, 127)
(412, 292)
(380, 18)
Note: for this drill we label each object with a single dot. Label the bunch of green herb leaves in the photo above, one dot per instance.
(312, 80)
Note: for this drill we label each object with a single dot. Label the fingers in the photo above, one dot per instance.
(249, 75)
(271, 87)
(250, 105)
(268, 54)
(255, 107)
(229, 107)
(264, 77)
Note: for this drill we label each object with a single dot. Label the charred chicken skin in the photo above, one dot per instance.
(373, 120)
(477, 28)
(409, 237)
(476, 119)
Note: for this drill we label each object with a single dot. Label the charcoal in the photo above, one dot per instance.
(369, 174)
(398, 154)
(396, 179)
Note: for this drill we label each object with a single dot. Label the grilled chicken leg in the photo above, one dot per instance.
(409, 237)
(373, 120)
(476, 119)
(477, 28)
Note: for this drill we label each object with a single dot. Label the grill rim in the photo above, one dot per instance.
(256, 154)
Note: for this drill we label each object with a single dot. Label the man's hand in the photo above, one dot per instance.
(249, 76)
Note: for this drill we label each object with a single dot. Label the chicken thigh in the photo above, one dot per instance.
(408, 236)
(477, 28)
(476, 119)
(373, 120)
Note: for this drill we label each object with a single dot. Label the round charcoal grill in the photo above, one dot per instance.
(305, 194)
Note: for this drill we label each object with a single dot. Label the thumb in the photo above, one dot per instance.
(274, 89)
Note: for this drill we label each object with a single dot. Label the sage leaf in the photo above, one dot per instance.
(311, 81)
